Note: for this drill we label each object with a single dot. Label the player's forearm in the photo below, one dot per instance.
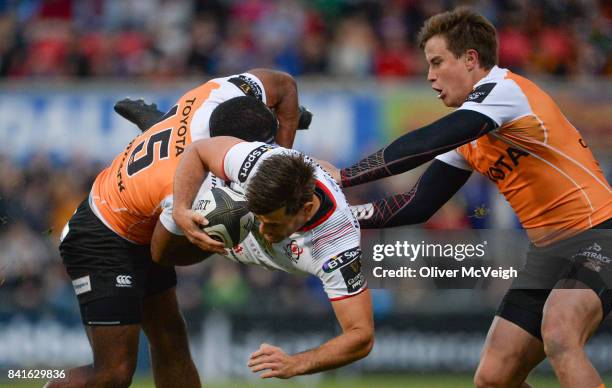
(281, 95)
(188, 177)
(180, 261)
(419, 146)
(287, 111)
(175, 251)
(434, 188)
(350, 346)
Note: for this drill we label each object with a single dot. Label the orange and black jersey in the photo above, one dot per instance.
(128, 196)
(512, 132)
(537, 159)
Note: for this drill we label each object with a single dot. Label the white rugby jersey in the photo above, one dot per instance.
(328, 246)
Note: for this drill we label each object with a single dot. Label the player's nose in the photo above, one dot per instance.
(431, 76)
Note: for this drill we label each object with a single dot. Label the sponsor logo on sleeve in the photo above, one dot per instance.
(247, 85)
(480, 93)
(353, 277)
(251, 160)
(342, 260)
(81, 285)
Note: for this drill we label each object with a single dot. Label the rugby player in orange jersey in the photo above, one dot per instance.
(105, 245)
(511, 131)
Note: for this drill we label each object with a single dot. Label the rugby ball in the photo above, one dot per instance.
(226, 211)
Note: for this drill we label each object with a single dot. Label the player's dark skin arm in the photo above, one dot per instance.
(170, 249)
(282, 96)
(356, 320)
(417, 147)
(433, 189)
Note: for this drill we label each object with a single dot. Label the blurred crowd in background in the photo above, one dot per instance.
(172, 39)
(178, 38)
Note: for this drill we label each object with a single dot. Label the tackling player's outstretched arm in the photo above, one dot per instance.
(170, 249)
(282, 96)
(355, 317)
(433, 189)
(417, 147)
(200, 158)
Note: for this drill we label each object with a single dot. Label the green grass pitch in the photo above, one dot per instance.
(384, 381)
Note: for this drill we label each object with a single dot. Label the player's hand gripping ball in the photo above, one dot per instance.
(229, 220)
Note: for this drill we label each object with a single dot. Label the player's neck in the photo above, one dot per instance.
(480, 73)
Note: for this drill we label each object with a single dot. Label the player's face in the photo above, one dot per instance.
(278, 225)
(449, 76)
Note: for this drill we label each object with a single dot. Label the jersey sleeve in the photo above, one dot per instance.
(341, 274)
(502, 101)
(237, 85)
(249, 85)
(166, 219)
(455, 159)
(241, 161)
(337, 256)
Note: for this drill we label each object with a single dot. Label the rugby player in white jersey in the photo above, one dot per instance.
(305, 226)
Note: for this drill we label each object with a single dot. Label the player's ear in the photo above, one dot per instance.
(471, 59)
(307, 208)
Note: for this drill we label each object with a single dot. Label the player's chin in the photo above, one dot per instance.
(452, 102)
(447, 101)
(273, 238)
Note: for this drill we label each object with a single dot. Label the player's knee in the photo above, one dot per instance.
(174, 326)
(170, 330)
(487, 377)
(558, 338)
(117, 376)
(496, 371)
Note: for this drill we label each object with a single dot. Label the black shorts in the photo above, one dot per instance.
(582, 260)
(110, 275)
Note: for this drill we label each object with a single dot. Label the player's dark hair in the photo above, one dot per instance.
(282, 180)
(463, 29)
(244, 117)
